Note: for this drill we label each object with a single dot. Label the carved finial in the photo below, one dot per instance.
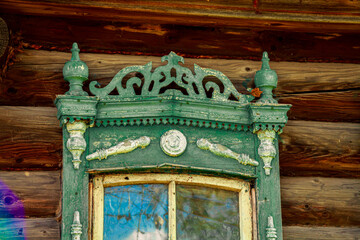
(266, 79)
(76, 227)
(271, 230)
(76, 72)
(76, 143)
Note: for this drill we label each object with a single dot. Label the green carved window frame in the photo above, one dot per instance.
(202, 129)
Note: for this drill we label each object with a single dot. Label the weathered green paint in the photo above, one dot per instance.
(230, 129)
(76, 72)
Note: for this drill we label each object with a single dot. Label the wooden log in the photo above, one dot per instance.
(305, 200)
(318, 91)
(320, 149)
(197, 12)
(212, 40)
(32, 229)
(320, 201)
(320, 233)
(31, 138)
(37, 192)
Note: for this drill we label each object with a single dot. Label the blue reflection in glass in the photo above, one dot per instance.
(136, 212)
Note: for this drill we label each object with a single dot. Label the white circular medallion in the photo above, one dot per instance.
(173, 143)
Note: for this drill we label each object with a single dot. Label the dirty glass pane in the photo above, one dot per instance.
(206, 213)
(136, 212)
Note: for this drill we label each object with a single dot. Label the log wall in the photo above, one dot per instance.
(316, 51)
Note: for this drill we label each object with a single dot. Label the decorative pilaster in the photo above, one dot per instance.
(76, 72)
(267, 150)
(271, 230)
(266, 80)
(76, 227)
(76, 143)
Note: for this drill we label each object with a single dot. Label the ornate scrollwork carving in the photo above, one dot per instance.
(158, 82)
(223, 151)
(122, 147)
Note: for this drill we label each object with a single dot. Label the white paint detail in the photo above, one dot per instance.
(76, 227)
(173, 143)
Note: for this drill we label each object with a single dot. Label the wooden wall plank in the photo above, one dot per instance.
(318, 91)
(195, 12)
(305, 200)
(320, 233)
(30, 138)
(213, 40)
(320, 149)
(31, 228)
(320, 201)
(38, 193)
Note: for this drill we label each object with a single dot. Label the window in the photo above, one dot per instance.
(169, 206)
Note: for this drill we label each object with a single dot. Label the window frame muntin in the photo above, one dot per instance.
(236, 185)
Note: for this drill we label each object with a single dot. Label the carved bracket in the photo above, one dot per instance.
(122, 147)
(223, 151)
(76, 143)
(267, 150)
(271, 230)
(76, 227)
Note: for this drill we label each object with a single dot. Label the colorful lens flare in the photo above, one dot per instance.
(12, 222)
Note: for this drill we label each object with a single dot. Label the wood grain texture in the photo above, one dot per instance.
(30, 138)
(305, 200)
(321, 233)
(320, 201)
(318, 91)
(320, 149)
(32, 229)
(38, 192)
(211, 40)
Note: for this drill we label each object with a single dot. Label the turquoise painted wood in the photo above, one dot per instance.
(216, 131)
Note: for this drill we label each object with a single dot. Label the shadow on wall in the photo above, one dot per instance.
(12, 214)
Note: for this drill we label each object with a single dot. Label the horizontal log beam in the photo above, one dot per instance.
(30, 138)
(317, 91)
(212, 40)
(309, 148)
(305, 200)
(320, 201)
(320, 233)
(38, 193)
(195, 12)
(31, 228)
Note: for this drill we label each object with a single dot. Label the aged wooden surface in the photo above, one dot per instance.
(305, 200)
(39, 192)
(312, 148)
(32, 228)
(320, 201)
(212, 40)
(321, 233)
(30, 138)
(334, 97)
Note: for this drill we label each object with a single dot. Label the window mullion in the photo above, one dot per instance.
(172, 211)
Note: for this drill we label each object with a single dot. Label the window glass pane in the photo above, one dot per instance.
(136, 212)
(206, 213)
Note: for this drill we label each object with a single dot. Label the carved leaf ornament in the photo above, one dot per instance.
(159, 82)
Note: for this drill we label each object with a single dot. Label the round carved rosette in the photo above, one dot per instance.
(173, 143)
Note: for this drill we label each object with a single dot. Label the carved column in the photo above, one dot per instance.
(76, 143)
(267, 150)
(76, 227)
(271, 230)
